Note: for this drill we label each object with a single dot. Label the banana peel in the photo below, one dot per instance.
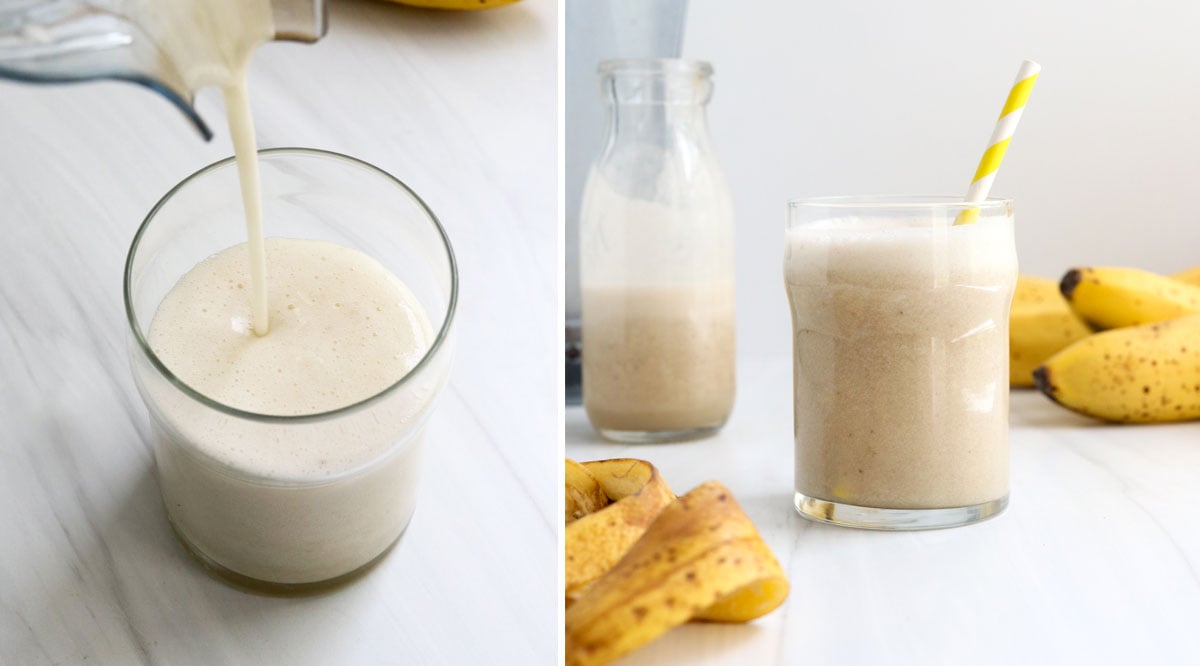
(1115, 297)
(455, 5)
(584, 494)
(596, 540)
(1041, 324)
(1143, 374)
(701, 559)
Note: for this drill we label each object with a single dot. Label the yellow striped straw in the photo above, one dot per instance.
(989, 164)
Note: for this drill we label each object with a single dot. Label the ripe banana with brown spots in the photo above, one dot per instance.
(1190, 276)
(1114, 297)
(1041, 324)
(1142, 374)
(457, 5)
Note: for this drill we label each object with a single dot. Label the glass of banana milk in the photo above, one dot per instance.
(288, 461)
(900, 324)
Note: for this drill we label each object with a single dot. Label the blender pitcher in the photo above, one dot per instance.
(59, 41)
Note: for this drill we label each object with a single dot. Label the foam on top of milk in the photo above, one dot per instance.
(343, 329)
(895, 252)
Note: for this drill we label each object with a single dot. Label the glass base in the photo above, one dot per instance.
(657, 436)
(868, 518)
(273, 589)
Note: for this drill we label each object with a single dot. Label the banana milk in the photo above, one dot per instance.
(316, 500)
(901, 360)
(659, 358)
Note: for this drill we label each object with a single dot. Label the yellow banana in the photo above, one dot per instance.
(595, 541)
(1040, 325)
(455, 4)
(702, 558)
(1142, 374)
(1190, 276)
(1110, 297)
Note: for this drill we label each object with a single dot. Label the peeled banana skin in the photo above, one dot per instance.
(599, 532)
(1142, 374)
(583, 494)
(1114, 297)
(1041, 324)
(702, 558)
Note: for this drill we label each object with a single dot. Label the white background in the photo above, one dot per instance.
(821, 98)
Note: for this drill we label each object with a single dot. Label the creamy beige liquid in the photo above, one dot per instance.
(901, 352)
(291, 503)
(281, 502)
(245, 149)
(658, 358)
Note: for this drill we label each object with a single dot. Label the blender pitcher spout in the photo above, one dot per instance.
(62, 41)
(59, 41)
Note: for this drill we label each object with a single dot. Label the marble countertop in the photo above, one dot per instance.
(1096, 560)
(89, 571)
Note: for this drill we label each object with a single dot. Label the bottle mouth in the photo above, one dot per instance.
(655, 67)
(656, 81)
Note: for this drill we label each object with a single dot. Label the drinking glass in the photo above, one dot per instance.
(900, 323)
(275, 527)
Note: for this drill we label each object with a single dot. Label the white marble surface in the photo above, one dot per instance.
(462, 108)
(1096, 560)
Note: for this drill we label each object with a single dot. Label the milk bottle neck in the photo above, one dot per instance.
(657, 102)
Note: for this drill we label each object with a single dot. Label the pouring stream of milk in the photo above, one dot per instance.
(245, 150)
(210, 42)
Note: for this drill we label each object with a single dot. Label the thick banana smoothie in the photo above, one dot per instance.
(901, 360)
(316, 499)
(658, 358)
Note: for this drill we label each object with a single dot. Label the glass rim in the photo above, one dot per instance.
(901, 201)
(664, 66)
(438, 342)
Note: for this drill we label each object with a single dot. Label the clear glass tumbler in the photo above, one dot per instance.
(900, 323)
(305, 529)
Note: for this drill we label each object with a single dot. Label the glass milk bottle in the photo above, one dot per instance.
(656, 260)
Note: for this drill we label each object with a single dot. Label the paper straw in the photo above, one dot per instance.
(1014, 106)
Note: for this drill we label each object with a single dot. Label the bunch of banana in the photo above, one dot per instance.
(699, 558)
(459, 5)
(1142, 374)
(1190, 276)
(1146, 368)
(1111, 297)
(1040, 325)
